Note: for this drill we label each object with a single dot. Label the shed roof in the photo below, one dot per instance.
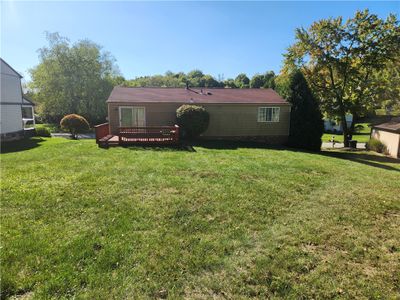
(196, 95)
(392, 126)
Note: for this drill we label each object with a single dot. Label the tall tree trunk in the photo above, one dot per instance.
(353, 123)
(346, 130)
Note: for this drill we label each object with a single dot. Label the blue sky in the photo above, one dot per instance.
(148, 38)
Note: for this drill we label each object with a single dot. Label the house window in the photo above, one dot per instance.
(27, 112)
(268, 114)
(132, 116)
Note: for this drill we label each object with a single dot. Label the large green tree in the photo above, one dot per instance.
(257, 81)
(339, 59)
(269, 80)
(242, 81)
(73, 78)
(386, 87)
(230, 83)
(266, 80)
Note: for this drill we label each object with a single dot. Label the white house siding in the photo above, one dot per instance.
(390, 139)
(332, 125)
(10, 88)
(11, 119)
(10, 101)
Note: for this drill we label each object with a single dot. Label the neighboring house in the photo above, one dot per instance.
(28, 113)
(389, 134)
(331, 125)
(17, 118)
(242, 114)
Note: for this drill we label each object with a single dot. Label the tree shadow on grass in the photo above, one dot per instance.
(21, 145)
(356, 156)
(190, 146)
(365, 158)
(234, 145)
(164, 148)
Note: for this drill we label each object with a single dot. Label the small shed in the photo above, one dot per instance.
(389, 134)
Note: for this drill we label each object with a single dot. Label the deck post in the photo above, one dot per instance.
(176, 137)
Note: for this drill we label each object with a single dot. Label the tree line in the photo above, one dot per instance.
(197, 78)
(350, 66)
(78, 78)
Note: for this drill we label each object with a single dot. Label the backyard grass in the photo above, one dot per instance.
(362, 135)
(221, 222)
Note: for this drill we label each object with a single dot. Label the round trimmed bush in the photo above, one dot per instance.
(74, 124)
(42, 131)
(192, 119)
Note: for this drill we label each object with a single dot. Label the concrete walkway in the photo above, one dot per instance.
(340, 145)
(80, 136)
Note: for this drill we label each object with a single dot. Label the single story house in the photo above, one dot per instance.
(17, 117)
(389, 134)
(330, 125)
(239, 114)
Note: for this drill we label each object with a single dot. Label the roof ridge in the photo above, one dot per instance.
(11, 68)
(184, 88)
(183, 95)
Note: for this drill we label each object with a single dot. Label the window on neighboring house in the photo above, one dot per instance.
(28, 117)
(27, 112)
(268, 114)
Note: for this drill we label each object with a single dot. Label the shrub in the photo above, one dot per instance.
(38, 119)
(42, 131)
(358, 128)
(192, 119)
(74, 124)
(377, 146)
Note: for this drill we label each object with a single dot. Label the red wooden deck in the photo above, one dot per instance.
(161, 135)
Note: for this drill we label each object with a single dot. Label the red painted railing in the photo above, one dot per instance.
(149, 135)
(101, 131)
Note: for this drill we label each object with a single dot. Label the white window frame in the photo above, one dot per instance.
(26, 120)
(131, 107)
(261, 120)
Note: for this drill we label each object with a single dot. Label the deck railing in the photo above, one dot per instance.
(101, 131)
(155, 134)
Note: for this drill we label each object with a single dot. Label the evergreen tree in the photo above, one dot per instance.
(306, 125)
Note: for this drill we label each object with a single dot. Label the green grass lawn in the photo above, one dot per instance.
(218, 222)
(362, 136)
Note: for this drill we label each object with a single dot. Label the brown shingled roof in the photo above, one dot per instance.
(194, 95)
(393, 125)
